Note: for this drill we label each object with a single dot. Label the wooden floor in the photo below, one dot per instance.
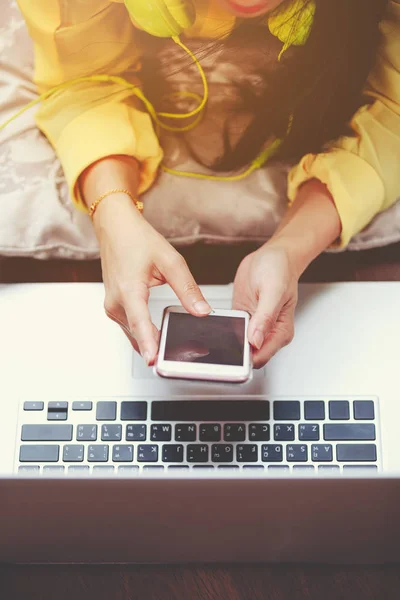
(210, 265)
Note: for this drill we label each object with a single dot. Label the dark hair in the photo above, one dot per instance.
(320, 83)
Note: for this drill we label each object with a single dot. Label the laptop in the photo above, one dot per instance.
(101, 461)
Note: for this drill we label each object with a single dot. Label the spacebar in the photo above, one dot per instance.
(210, 410)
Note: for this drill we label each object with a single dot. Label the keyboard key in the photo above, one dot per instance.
(185, 433)
(296, 453)
(106, 411)
(304, 468)
(203, 467)
(278, 469)
(29, 469)
(147, 453)
(258, 467)
(128, 470)
(33, 405)
(234, 432)
(78, 469)
(339, 410)
(361, 468)
(321, 453)
(73, 453)
(97, 453)
(57, 406)
(111, 432)
(259, 432)
(314, 410)
(86, 433)
(284, 433)
(133, 411)
(122, 453)
(309, 433)
(356, 452)
(272, 453)
(227, 467)
(349, 431)
(178, 468)
(222, 453)
(326, 469)
(247, 453)
(103, 469)
(39, 453)
(46, 433)
(287, 410)
(210, 411)
(364, 410)
(53, 469)
(197, 453)
(153, 468)
(57, 416)
(79, 405)
(210, 432)
(161, 433)
(136, 433)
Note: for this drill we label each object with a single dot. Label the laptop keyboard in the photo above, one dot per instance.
(124, 436)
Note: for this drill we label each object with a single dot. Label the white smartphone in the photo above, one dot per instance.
(212, 348)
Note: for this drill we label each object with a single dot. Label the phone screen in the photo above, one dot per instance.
(211, 340)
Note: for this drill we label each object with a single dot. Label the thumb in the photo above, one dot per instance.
(269, 306)
(185, 287)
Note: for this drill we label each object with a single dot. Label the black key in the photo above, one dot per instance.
(106, 411)
(212, 410)
(309, 433)
(57, 416)
(210, 432)
(39, 453)
(329, 468)
(57, 406)
(133, 411)
(97, 453)
(304, 468)
(161, 433)
(46, 433)
(122, 453)
(321, 453)
(78, 469)
(197, 453)
(247, 453)
(86, 433)
(272, 453)
(314, 410)
(178, 468)
(128, 470)
(147, 453)
(287, 410)
(29, 469)
(364, 410)
(153, 468)
(222, 453)
(356, 452)
(85, 405)
(73, 453)
(362, 468)
(278, 468)
(203, 467)
(111, 432)
(259, 432)
(339, 410)
(234, 432)
(54, 469)
(349, 431)
(185, 433)
(33, 405)
(259, 467)
(296, 453)
(136, 433)
(101, 469)
(227, 467)
(284, 433)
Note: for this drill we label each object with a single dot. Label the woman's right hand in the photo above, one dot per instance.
(134, 258)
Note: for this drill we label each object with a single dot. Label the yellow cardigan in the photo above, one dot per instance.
(93, 120)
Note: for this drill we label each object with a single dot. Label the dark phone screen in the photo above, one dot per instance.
(210, 340)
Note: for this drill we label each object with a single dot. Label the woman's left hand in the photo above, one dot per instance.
(266, 286)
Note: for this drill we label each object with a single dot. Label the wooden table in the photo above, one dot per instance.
(210, 265)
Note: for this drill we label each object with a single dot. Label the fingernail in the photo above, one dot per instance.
(258, 339)
(202, 308)
(147, 358)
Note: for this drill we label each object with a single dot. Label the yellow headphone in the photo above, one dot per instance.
(162, 18)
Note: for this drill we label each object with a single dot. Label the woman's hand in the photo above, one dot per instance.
(266, 286)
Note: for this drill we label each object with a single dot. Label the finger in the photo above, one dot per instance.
(280, 336)
(139, 322)
(270, 304)
(181, 280)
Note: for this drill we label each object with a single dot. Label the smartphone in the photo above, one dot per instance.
(212, 348)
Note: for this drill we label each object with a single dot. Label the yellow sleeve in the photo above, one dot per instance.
(90, 120)
(363, 172)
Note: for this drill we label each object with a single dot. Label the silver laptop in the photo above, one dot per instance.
(102, 461)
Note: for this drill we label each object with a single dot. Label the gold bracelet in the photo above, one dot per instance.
(138, 203)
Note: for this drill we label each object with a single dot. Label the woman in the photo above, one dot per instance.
(106, 141)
